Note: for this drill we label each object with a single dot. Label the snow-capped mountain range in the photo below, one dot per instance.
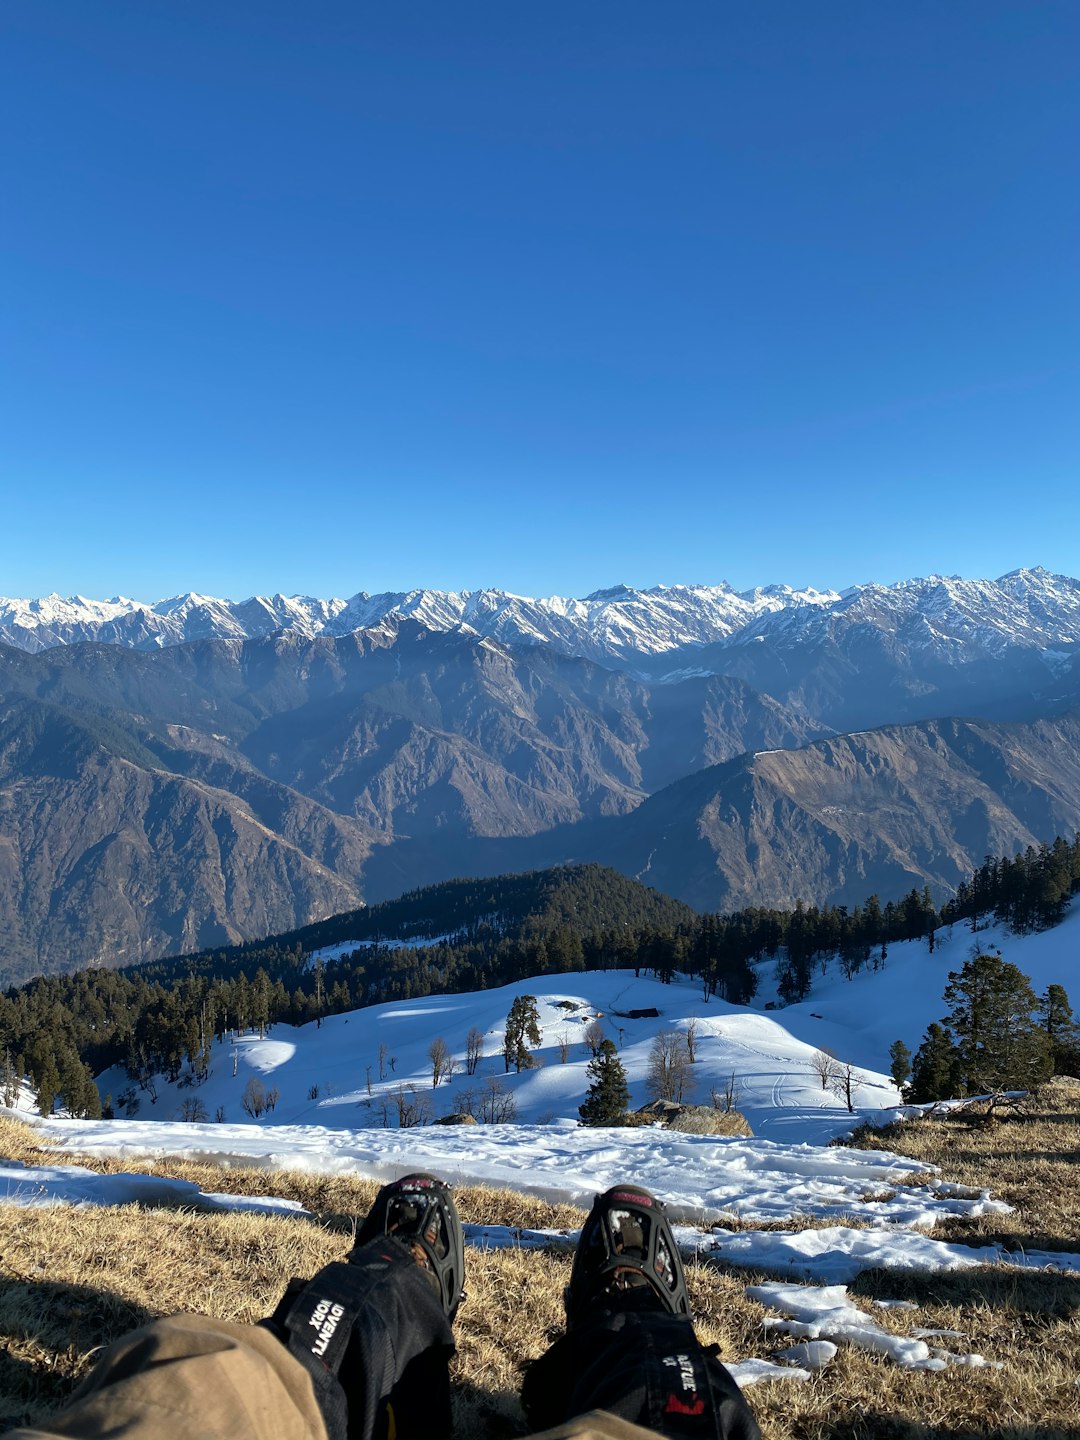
(620, 626)
(713, 742)
(604, 625)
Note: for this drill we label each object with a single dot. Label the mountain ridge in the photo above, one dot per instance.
(880, 811)
(148, 798)
(349, 768)
(1029, 606)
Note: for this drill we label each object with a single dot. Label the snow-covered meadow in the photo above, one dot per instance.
(331, 1076)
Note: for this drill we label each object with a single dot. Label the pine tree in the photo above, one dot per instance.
(1062, 1031)
(935, 1071)
(9, 1085)
(608, 1095)
(46, 1085)
(999, 1045)
(900, 1062)
(522, 1030)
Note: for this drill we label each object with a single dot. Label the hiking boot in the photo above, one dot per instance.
(419, 1211)
(626, 1245)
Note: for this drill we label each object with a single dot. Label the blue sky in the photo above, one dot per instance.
(347, 296)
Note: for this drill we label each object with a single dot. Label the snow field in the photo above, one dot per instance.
(787, 1173)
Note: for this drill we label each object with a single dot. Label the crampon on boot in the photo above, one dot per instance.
(626, 1244)
(419, 1211)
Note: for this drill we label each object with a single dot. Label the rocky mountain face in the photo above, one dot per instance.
(853, 815)
(198, 772)
(108, 858)
(882, 654)
(876, 654)
(152, 802)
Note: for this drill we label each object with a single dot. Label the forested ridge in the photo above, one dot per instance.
(164, 1017)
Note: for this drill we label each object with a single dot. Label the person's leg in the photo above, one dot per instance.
(358, 1352)
(374, 1332)
(630, 1347)
(189, 1377)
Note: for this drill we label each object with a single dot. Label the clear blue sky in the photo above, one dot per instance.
(335, 296)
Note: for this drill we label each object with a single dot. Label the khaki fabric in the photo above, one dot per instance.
(193, 1378)
(190, 1378)
(596, 1425)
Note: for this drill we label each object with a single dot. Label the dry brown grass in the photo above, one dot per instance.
(1027, 1156)
(72, 1279)
(19, 1142)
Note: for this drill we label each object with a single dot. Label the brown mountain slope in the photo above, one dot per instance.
(152, 803)
(876, 811)
(107, 859)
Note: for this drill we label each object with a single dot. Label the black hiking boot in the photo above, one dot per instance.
(419, 1211)
(626, 1244)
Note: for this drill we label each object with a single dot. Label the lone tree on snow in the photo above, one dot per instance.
(608, 1095)
(825, 1066)
(522, 1030)
(668, 1076)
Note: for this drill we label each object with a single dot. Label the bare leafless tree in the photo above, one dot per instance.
(727, 1096)
(438, 1054)
(413, 1107)
(563, 1042)
(845, 1081)
(825, 1066)
(594, 1037)
(668, 1076)
(253, 1100)
(465, 1103)
(383, 1054)
(497, 1105)
(691, 1040)
(474, 1050)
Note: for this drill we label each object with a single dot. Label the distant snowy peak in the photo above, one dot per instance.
(608, 624)
(42, 624)
(942, 614)
(1025, 607)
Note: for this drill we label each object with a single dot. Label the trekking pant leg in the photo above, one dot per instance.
(374, 1337)
(645, 1366)
(359, 1352)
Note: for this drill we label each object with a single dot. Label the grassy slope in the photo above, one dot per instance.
(71, 1279)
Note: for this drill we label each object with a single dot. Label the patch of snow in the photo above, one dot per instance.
(37, 1186)
(811, 1354)
(752, 1372)
(701, 1177)
(825, 1312)
(839, 1253)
